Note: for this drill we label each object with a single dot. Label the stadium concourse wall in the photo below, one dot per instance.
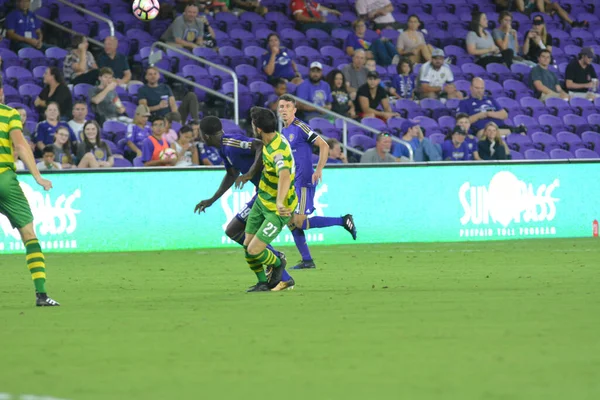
(153, 209)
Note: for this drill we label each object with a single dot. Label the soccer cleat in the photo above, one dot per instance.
(277, 273)
(42, 300)
(259, 287)
(305, 264)
(269, 269)
(284, 285)
(349, 225)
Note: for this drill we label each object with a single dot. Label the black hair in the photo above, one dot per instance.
(154, 118)
(264, 119)
(211, 125)
(404, 60)
(57, 74)
(280, 81)
(545, 51)
(287, 97)
(331, 79)
(185, 129)
(49, 149)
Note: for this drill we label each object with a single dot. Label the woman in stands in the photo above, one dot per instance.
(382, 50)
(62, 148)
(79, 65)
(45, 130)
(342, 103)
(480, 44)
(277, 62)
(55, 91)
(93, 152)
(411, 43)
(492, 147)
(537, 39)
(187, 153)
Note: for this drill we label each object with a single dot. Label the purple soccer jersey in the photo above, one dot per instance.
(236, 152)
(452, 153)
(301, 137)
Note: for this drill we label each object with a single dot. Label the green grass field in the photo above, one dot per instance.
(496, 320)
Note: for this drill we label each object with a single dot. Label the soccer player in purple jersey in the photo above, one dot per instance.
(302, 139)
(239, 154)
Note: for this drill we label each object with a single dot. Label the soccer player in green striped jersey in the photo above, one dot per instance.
(276, 200)
(13, 203)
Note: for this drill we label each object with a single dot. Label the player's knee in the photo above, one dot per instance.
(255, 248)
(27, 233)
(232, 232)
(298, 223)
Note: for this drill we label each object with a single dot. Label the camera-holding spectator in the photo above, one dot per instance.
(355, 72)
(277, 62)
(55, 91)
(26, 133)
(93, 152)
(187, 153)
(160, 100)
(190, 31)
(250, 5)
(336, 155)
(436, 80)
(48, 163)
(63, 153)
(492, 147)
(280, 87)
(45, 130)
(137, 132)
(341, 104)
(537, 39)
(105, 101)
(580, 77)
(80, 65)
(379, 154)
(482, 109)
(370, 96)
(544, 82)
(23, 28)
(464, 123)
(382, 50)
(404, 84)
(423, 149)
(80, 112)
(315, 91)
(506, 38)
(378, 12)
(411, 43)
(312, 15)
(154, 144)
(481, 44)
(455, 148)
(116, 61)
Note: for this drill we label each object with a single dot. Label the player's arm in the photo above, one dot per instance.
(256, 166)
(25, 154)
(226, 184)
(323, 157)
(283, 187)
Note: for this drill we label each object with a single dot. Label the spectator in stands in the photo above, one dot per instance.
(404, 84)
(45, 130)
(355, 72)
(379, 12)
(250, 5)
(341, 102)
(580, 77)
(26, 133)
(482, 109)
(105, 101)
(160, 100)
(80, 65)
(537, 39)
(548, 7)
(381, 152)
(55, 91)
(436, 80)
(273, 99)
(80, 112)
(137, 132)
(492, 147)
(23, 28)
(117, 62)
(544, 82)
(481, 45)
(411, 43)
(463, 122)
(371, 65)
(423, 149)
(212, 6)
(310, 14)
(154, 144)
(506, 38)
(456, 148)
(93, 152)
(278, 63)
(315, 91)
(63, 153)
(48, 163)
(382, 50)
(370, 97)
(187, 153)
(170, 134)
(336, 155)
(190, 31)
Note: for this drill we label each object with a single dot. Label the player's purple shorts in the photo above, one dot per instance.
(242, 216)
(306, 197)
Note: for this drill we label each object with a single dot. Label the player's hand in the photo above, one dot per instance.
(283, 211)
(203, 205)
(45, 183)
(317, 177)
(241, 181)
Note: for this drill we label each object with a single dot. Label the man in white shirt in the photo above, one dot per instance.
(436, 79)
(379, 12)
(80, 112)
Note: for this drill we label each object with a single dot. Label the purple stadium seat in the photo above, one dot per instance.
(56, 56)
(594, 121)
(591, 140)
(363, 142)
(551, 123)
(121, 163)
(576, 123)
(339, 36)
(559, 107)
(29, 92)
(255, 53)
(429, 125)
(561, 154)
(582, 36)
(534, 107)
(535, 154)
(248, 73)
(279, 21)
(521, 71)
(81, 90)
(471, 70)
(515, 155)
(437, 138)
(408, 108)
(253, 21)
(464, 86)
(243, 38)
(434, 108)
(18, 75)
(334, 56)
(307, 55)
(245, 97)
(11, 95)
(452, 105)
(498, 72)
(137, 162)
(586, 153)
(516, 89)
(38, 75)
(511, 105)
(569, 140)
(582, 106)
(544, 141)
(318, 38)
(9, 58)
(292, 38)
(228, 21)
(375, 123)
(325, 127)
(494, 89)
(114, 130)
(208, 54)
(33, 57)
(447, 123)
(519, 142)
(571, 50)
(530, 122)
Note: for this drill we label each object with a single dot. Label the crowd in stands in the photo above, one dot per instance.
(460, 80)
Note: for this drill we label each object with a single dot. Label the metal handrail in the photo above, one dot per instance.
(347, 121)
(234, 99)
(93, 14)
(71, 31)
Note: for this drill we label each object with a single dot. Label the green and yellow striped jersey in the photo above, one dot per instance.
(276, 156)
(10, 119)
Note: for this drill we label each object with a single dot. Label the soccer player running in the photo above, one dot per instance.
(240, 154)
(302, 139)
(13, 203)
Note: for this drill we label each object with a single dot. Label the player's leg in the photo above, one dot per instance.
(296, 224)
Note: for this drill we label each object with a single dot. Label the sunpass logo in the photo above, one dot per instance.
(507, 201)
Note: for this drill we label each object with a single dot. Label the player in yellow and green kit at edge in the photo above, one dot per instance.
(276, 200)
(13, 203)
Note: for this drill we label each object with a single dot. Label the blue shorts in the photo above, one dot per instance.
(242, 216)
(306, 200)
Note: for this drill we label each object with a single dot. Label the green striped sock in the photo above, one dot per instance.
(36, 264)
(256, 267)
(267, 257)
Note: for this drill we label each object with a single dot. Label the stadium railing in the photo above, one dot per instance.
(157, 56)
